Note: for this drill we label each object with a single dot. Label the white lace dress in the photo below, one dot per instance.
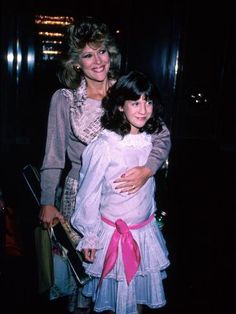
(105, 159)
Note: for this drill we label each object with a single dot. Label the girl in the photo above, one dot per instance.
(124, 249)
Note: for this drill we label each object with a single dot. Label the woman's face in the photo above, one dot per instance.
(94, 62)
(137, 112)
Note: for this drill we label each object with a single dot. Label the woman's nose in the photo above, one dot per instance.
(97, 58)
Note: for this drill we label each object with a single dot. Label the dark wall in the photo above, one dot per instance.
(203, 99)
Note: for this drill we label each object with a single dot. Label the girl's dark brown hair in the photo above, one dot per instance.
(131, 87)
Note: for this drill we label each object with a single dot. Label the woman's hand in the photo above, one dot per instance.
(133, 179)
(2, 205)
(89, 255)
(48, 216)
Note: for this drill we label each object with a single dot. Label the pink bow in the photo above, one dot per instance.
(130, 250)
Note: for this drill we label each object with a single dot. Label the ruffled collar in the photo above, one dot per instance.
(84, 118)
(130, 140)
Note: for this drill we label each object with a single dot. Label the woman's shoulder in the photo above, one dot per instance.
(61, 99)
(63, 93)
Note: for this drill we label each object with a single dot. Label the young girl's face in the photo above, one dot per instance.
(137, 112)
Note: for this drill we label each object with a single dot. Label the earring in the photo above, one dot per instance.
(77, 68)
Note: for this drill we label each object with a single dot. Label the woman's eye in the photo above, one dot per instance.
(88, 55)
(135, 104)
(102, 51)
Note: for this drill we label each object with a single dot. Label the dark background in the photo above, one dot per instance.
(187, 48)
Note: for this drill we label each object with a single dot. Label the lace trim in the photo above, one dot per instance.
(91, 241)
(85, 121)
(133, 140)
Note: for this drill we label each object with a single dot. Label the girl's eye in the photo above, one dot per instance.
(150, 102)
(135, 104)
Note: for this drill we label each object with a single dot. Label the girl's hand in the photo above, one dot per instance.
(133, 179)
(89, 255)
(49, 215)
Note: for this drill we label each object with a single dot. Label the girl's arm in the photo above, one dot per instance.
(86, 217)
(133, 179)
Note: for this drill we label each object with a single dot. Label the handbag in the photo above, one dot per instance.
(72, 259)
(75, 259)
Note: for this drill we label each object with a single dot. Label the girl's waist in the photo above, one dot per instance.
(132, 226)
(128, 217)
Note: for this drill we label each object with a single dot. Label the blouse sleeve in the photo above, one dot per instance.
(56, 145)
(161, 147)
(86, 217)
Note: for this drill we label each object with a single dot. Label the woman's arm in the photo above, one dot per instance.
(161, 147)
(54, 157)
(133, 179)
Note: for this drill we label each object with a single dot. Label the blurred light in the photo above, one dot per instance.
(10, 57)
(51, 52)
(176, 68)
(52, 42)
(50, 34)
(50, 31)
(30, 59)
(54, 20)
(19, 60)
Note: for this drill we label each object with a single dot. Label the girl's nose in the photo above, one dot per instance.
(142, 108)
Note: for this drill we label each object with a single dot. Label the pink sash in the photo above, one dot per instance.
(130, 250)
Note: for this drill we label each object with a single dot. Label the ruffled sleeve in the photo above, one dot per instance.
(86, 218)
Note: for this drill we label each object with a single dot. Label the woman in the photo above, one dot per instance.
(90, 67)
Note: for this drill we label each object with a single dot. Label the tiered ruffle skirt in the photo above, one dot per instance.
(145, 288)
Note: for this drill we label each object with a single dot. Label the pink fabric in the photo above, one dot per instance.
(130, 250)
